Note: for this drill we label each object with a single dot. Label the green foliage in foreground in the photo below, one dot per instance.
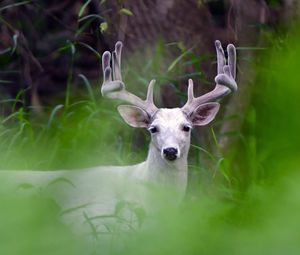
(262, 219)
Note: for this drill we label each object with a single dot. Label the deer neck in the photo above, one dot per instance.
(171, 174)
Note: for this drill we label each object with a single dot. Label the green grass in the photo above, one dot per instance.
(254, 210)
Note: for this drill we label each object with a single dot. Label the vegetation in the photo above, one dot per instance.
(252, 209)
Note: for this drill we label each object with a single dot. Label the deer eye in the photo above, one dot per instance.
(186, 128)
(153, 130)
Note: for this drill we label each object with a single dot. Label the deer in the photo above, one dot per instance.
(170, 129)
(84, 195)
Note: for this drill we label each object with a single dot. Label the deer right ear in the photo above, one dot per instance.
(134, 116)
(204, 114)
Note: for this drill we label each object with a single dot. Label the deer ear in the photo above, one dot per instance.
(134, 116)
(204, 114)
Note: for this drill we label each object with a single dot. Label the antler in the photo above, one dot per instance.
(113, 86)
(225, 80)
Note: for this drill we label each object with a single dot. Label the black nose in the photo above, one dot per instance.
(170, 153)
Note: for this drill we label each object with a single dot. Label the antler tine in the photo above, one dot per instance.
(106, 66)
(113, 86)
(225, 79)
(150, 92)
(190, 91)
(232, 59)
(116, 61)
(221, 61)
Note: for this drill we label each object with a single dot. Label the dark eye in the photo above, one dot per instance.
(153, 130)
(186, 128)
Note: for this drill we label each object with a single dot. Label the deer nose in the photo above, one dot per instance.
(170, 153)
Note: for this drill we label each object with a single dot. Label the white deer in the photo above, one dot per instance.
(88, 194)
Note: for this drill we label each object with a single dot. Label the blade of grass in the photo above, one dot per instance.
(14, 5)
(15, 40)
(94, 16)
(88, 86)
(205, 151)
(52, 115)
(90, 48)
(83, 7)
(16, 136)
(175, 62)
(70, 75)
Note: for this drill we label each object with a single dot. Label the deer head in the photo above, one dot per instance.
(170, 128)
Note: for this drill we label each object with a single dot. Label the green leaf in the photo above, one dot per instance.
(120, 206)
(73, 49)
(103, 27)
(126, 12)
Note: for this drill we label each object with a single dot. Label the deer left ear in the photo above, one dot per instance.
(134, 116)
(204, 114)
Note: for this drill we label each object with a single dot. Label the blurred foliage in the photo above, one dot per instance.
(32, 226)
(255, 211)
(270, 144)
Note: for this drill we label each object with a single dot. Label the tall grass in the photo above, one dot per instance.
(261, 216)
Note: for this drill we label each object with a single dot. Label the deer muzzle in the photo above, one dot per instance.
(170, 153)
